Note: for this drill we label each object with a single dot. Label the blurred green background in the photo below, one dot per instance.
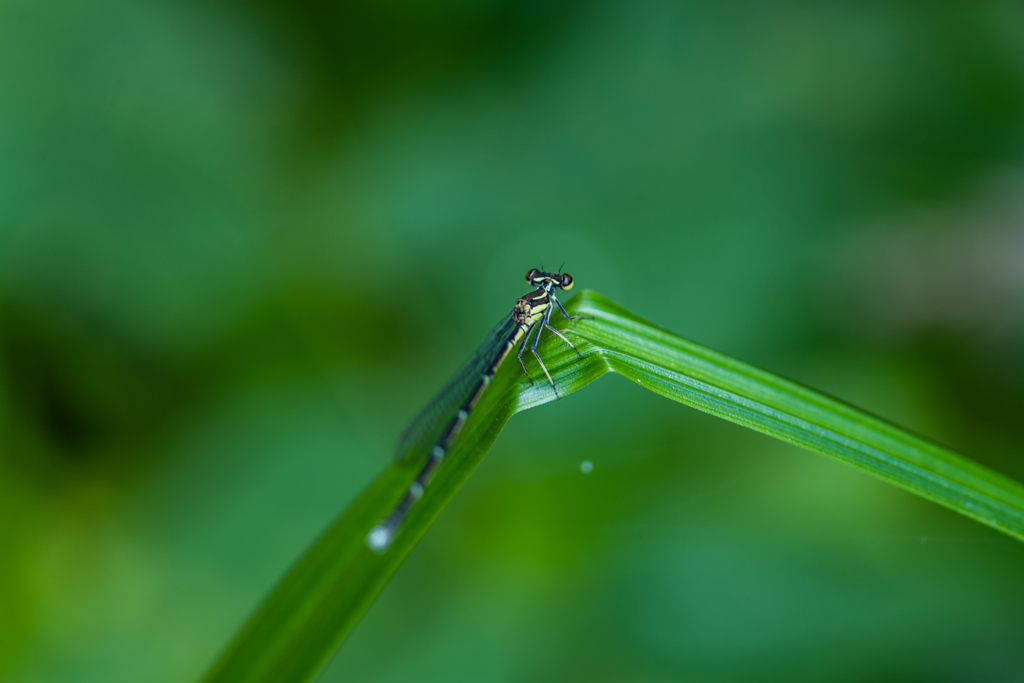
(231, 234)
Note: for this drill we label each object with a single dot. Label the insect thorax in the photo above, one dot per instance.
(521, 311)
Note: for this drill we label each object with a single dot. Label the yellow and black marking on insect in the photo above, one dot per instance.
(531, 312)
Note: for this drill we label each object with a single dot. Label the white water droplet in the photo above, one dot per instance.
(379, 538)
(586, 467)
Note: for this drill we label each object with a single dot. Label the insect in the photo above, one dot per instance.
(531, 312)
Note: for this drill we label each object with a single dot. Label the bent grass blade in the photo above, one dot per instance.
(317, 604)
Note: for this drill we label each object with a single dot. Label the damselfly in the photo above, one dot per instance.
(432, 435)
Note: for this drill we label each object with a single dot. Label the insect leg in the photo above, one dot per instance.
(567, 316)
(522, 348)
(562, 337)
(533, 349)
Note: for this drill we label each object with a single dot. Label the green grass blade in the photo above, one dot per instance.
(324, 595)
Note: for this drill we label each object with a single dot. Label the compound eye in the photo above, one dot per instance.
(532, 275)
(566, 281)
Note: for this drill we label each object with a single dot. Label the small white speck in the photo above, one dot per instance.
(379, 538)
(416, 489)
(586, 467)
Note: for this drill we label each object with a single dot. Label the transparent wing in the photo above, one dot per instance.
(427, 428)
